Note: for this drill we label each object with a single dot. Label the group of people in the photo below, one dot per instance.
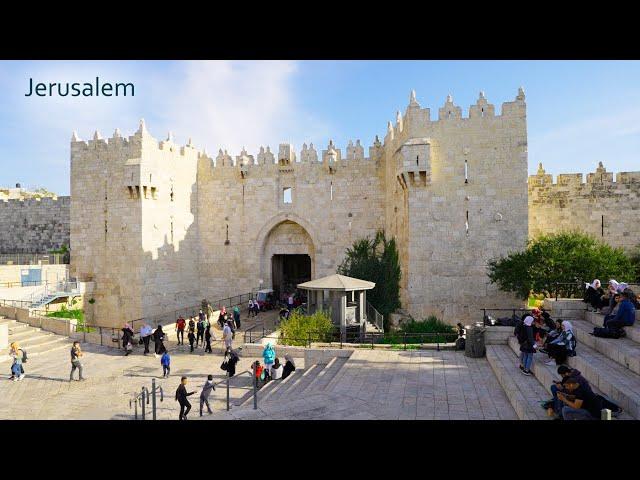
(182, 394)
(199, 332)
(146, 335)
(537, 331)
(618, 304)
(272, 369)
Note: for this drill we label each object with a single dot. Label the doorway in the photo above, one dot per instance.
(287, 271)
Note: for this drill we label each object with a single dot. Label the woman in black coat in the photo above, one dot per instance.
(593, 295)
(289, 367)
(158, 338)
(127, 338)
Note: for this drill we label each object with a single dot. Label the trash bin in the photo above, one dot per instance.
(474, 345)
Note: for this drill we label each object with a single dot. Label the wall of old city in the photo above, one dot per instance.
(34, 225)
(606, 206)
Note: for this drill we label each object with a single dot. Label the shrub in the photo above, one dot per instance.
(429, 325)
(567, 257)
(298, 328)
(635, 261)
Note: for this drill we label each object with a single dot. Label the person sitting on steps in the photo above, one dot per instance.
(624, 317)
(579, 401)
(594, 294)
(562, 346)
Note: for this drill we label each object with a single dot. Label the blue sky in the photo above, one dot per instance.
(579, 113)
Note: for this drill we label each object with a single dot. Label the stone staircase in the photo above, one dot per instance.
(302, 382)
(34, 340)
(612, 366)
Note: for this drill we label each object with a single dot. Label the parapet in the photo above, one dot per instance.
(599, 177)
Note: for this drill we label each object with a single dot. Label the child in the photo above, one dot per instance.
(165, 361)
(192, 338)
(204, 395)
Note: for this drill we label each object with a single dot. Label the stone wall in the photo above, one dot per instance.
(605, 207)
(34, 225)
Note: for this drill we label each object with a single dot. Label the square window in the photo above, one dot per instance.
(286, 195)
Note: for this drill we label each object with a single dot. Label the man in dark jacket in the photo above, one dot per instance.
(181, 397)
(580, 403)
(555, 405)
(626, 315)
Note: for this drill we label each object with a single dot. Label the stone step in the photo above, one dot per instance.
(36, 350)
(325, 369)
(297, 375)
(592, 369)
(279, 384)
(329, 373)
(305, 380)
(624, 351)
(40, 339)
(633, 332)
(24, 333)
(524, 393)
(18, 327)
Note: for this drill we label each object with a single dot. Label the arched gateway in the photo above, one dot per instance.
(287, 252)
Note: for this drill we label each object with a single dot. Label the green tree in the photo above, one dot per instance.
(566, 257)
(635, 260)
(376, 260)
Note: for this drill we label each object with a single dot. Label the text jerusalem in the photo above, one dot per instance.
(87, 89)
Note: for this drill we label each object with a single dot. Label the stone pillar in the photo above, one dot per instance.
(362, 306)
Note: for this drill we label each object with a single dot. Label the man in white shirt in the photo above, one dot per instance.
(145, 334)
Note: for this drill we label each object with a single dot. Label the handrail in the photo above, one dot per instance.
(144, 397)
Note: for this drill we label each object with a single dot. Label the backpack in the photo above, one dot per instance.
(520, 332)
(606, 332)
(24, 356)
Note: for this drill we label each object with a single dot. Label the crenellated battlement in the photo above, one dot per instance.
(577, 180)
(34, 201)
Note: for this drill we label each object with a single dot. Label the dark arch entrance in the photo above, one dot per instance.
(288, 270)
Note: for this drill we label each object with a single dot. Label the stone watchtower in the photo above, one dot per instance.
(456, 197)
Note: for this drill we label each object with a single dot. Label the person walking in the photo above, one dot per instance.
(192, 339)
(158, 338)
(16, 354)
(289, 366)
(221, 318)
(181, 398)
(76, 353)
(204, 395)
(127, 339)
(180, 324)
(145, 334)
(236, 316)
(250, 308)
(227, 336)
(207, 339)
(165, 361)
(231, 358)
(200, 336)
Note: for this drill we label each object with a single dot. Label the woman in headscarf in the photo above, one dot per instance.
(127, 337)
(562, 346)
(527, 345)
(158, 338)
(269, 356)
(593, 295)
(276, 370)
(289, 366)
(222, 317)
(609, 297)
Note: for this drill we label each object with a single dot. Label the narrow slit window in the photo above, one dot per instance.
(106, 229)
(417, 159)
(331, 190)
(171, 231)
(466, 171)
(287, 195)
(466, 224)
(171, 194)
(602, 226)
(482, 112)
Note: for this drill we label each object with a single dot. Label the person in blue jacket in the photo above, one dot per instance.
(165, 361)
(626, 315)
(269, 356)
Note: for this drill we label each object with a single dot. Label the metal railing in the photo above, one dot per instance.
(34, 258)
(143, 399)
(375, 317)
(227, 381)
(191, 311)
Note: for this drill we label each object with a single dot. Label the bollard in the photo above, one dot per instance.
(228, 391)
(153, 400)
(255, 387)
(142, 399)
